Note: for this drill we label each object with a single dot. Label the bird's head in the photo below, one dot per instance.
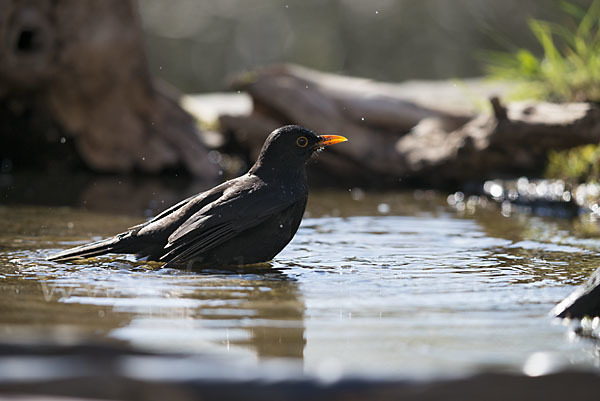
(290, 147)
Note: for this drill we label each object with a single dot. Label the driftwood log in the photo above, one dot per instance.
(512, 141)
(397, 133)
(74, 85)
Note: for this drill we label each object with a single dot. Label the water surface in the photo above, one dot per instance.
(379, 285)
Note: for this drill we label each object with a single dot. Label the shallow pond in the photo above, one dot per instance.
(378, 285)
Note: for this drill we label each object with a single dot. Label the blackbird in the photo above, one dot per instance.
(246, 220)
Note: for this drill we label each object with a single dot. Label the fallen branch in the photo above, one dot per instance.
(392, 136)
(512, 142)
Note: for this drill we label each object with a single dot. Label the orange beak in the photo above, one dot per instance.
(327, 140)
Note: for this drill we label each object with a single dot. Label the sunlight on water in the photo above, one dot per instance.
(412, 289)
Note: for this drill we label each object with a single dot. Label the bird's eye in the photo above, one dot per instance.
(302, 141)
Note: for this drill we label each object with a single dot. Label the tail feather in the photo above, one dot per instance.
(97, 248)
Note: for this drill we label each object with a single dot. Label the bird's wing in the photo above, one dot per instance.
(234, 212)
(169, 217)
(162, 214)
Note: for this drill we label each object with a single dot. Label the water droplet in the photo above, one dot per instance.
(357, 194)
(506, 208)
(383, 208)
(496, 191)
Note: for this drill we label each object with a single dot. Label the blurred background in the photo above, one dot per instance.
(441, 211)
(198, 46)
(81, 85)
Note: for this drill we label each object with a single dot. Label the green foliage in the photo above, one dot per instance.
(578, 164)
(568, 70)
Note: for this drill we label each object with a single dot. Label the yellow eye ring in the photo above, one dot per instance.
(302, 141)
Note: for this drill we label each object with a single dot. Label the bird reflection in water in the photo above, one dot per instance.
(262, 301)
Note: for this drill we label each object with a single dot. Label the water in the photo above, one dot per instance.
(373, 285)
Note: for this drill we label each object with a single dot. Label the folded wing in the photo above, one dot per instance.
(222, 220)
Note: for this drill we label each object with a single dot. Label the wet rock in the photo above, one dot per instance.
(583, 302)
(539, 197)
(542, 197)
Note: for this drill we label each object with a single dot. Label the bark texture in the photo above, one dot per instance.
(398, 132)
(78, 68)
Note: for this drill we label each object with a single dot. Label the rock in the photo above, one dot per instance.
(583, 302)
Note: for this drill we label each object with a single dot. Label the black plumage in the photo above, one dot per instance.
(248, 219)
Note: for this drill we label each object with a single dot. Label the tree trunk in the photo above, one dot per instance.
(73, 76)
